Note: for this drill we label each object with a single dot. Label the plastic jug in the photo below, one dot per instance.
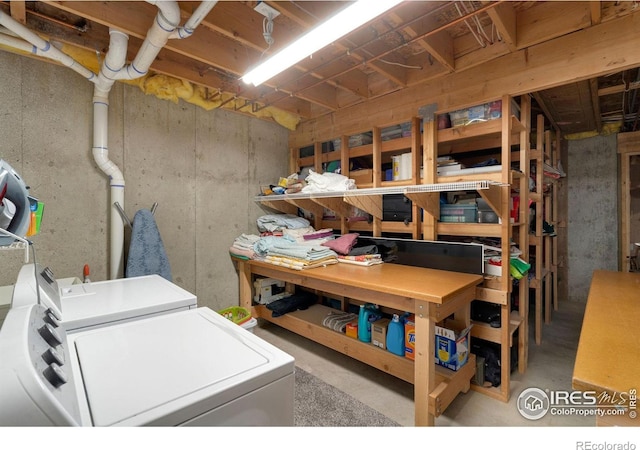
(364, 321)
(395, 336)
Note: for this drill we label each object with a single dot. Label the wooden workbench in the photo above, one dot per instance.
(432, 295)
(607, 359)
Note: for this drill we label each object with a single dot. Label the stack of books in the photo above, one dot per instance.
(447, 164)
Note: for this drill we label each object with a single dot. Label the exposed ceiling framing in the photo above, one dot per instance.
(417, 42)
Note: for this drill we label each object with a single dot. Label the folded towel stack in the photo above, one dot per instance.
(278, 222)
(298, 264)
(339, 320)
(243, 246)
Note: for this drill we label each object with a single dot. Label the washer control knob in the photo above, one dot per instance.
(55, 375)
(47, 274)
(50, 335)
(51, 356)
(51, 319)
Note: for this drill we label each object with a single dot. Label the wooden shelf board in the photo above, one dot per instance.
(468, 132)
(491, 176)
(478, 131)
(308, 323)
(485, 331)
(469, 229)
(493, 392)
(363, 150)
(397, 227)
(393, 145)
(535, 196)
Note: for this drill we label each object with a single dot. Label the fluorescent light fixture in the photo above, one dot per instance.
(348, 19)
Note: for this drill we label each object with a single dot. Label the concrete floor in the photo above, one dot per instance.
(550, 367)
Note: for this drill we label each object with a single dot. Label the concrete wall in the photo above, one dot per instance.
(202, 167)
(592, 199)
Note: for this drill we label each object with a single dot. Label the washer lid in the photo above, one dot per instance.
(144, 370)
(97, 303)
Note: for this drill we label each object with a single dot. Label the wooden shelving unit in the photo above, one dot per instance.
(507, 134)
(629, 151)
(425, 144)
(545, 283)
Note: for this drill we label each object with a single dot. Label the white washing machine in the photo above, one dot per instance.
(95, 304)
(192, 367)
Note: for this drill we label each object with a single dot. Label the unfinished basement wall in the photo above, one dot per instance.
(203, 168)
(592, 211)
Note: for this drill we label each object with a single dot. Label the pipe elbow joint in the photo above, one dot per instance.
(168, 17)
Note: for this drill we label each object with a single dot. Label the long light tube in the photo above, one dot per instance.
(348, 19)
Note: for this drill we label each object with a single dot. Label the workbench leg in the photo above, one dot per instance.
(425, 369)
(244, 276)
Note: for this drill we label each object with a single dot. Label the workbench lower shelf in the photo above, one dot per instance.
(308, 323)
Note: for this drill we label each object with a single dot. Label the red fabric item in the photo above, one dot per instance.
(343, 244)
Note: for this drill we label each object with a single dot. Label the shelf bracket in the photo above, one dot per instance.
(429, 201)
(284, 207)
(371, 204)
(308, 205)
(492, 196)
(428, 112)
(336, 205)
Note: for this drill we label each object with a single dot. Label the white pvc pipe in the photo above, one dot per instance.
(165, 23)
(113, 68)
(100, 152)
(17, 44)
(39, 46)
(192, 23)
(113, 63)
(114, 60)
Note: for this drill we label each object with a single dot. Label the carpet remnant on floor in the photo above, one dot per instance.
(318, 404)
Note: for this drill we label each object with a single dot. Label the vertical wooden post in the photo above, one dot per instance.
(424, 365)
(430, 171)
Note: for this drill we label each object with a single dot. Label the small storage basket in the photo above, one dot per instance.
(236, 314)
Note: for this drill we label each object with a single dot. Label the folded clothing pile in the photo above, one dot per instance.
(243, 246)
(278, 222)
(285, 251)
(302, 252)
(298, 264)
(327, 182)
(294, 302)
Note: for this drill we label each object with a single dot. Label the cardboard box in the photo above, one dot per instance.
(410, 337)
(351, 330)
(379, 333)
(452, 347)
(362, 176)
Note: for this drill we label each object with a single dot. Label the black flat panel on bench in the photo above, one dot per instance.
(453, 256)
